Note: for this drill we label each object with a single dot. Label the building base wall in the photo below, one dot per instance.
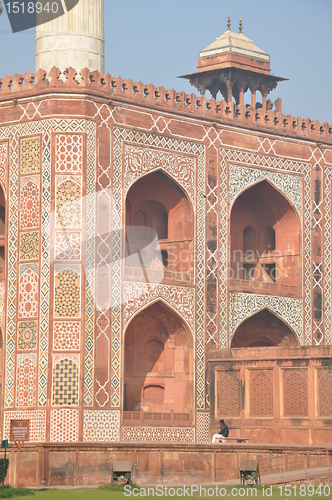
(82, 465)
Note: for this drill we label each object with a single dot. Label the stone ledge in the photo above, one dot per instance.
(115, 88)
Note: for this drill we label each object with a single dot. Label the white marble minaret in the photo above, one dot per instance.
(75, 39)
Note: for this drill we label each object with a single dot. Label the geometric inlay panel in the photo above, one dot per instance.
(68, 202)
(68, 153)
(3, 164)
(139, 161)
(202, 427)
(27, 335)
(244, 305)
(295, 394)
(138, 295)
(64, 426)
(66, 335)
(30, 155)
(29, 246)
(29, 207)
(26, 380)
(37, 427)
(327, 285)
(2, 304)
(30, 202)
(228, 393)
(28, 291)
(261, 395)
(101, 426)
(240, 178)
(67, 245)
(325, 393)
(65, 381)
(67, 292)
(158, 434)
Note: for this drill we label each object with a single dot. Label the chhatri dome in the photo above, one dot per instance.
(232, 64)
(75, 39)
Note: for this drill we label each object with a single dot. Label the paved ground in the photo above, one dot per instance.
(285, 477)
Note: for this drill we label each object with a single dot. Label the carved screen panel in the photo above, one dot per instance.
(325, 393)
(295, 394)
(261, 394)
(228, 393)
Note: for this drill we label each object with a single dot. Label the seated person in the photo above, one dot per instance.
(223, 433)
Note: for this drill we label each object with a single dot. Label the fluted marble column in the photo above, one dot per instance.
(75, 39)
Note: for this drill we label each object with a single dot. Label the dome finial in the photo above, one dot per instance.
(240, 25)
(229, 22)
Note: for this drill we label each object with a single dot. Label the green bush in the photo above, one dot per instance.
(8, 492)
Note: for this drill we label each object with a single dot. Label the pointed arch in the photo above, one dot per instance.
(140, 161)
(159, 198)
(179, 299)
(158, 362)
(264, 178)
(277, 257)
(264, 328)
(172, 306)
(183, 193)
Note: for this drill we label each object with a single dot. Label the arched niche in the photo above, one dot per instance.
(265, 237)
(158, 362)
(264, 329)
(156, 206)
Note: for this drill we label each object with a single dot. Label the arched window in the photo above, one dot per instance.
(268, 240)
(265, 241)
(160, 224)
(249, 240)
(139, 223)
(161, 206)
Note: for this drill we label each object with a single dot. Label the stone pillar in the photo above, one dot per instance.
(264, 103)
(241, 97)
(229, 94)
(253, 98)
(75, 39)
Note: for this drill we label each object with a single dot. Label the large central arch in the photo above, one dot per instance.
(265, 237)
(158, 368)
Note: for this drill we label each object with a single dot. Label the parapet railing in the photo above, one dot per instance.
(260, 286)
(156, 418)
(11, 88)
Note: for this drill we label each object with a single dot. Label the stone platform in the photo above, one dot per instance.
(91, 464)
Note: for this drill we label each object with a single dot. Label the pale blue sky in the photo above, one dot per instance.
(155, 41)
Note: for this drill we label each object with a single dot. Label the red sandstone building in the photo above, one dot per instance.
(139, 358)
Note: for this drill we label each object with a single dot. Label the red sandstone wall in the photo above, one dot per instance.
(212, 138)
